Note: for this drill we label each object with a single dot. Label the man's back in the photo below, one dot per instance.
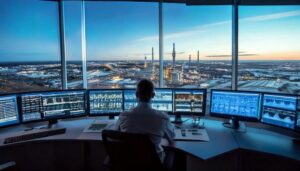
(145, 120)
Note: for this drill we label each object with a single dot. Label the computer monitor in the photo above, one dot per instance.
(237, 105)
(31, 107)
(52, 105)
(105, 102)
(279, 110)
(189, 101)
(163, 100)
(130, 100)
(9, 114)
(63, 104)
(298, 115)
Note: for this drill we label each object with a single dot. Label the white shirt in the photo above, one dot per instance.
(145, 120)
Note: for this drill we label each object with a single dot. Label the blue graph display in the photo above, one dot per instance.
(235, 104)
(279, 110)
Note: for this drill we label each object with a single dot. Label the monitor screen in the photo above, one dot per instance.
(8, 110)
(105, 101)
(235, 103)
(63, 103)
(129, 99)
(279, 110)
(189, 101)
(162, 100)
(37, 106)
(32, 107)
(298, 114)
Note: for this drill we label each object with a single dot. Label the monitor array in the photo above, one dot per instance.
(281, 110)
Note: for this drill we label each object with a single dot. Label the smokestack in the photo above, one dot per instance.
(174, 55)
(152, 57)
(190, 61)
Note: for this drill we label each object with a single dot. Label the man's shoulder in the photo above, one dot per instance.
(161, 114)
(125, 113)
(152, 112)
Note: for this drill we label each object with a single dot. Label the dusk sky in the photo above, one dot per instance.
(126, 30)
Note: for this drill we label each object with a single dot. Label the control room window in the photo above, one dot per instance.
(269, 57)
(192, 33)
(72, 21)
(29, 46)
(120, 38)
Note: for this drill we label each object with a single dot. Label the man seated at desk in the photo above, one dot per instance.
(145, 120)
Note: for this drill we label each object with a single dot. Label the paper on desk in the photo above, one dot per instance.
(191, 134)
(100, 125)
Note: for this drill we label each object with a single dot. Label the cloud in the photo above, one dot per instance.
(203, 28)
(272, 16)
(190, 32)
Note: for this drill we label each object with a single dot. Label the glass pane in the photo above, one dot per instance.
(120, 38)
(29, 46)
(72, 16)
(269, 57)
(197, 44)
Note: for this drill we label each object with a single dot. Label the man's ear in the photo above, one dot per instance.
(153, 94)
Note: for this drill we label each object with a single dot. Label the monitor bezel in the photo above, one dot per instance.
(191, 113)
(43, 118)
(112, 114)
(241, 118)
(297, 128)
(17, 109)
(134, 89)
(278, 126)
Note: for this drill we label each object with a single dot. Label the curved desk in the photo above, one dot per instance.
(257, 149)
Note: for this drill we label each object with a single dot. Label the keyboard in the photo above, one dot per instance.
(97, 127)
(34, 134)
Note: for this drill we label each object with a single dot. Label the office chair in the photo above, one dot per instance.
(130, 151)
(8, 166)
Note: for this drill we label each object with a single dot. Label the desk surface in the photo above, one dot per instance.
(222, 140)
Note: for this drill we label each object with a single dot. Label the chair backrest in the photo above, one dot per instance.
(130, 151)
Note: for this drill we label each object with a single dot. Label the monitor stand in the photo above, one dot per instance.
(178, 119)
(51, 124)
(235, 124)
(111, 117)
(196, 123)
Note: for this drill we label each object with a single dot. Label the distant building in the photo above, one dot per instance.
(174, 56)
(167, 73)
(190, 61)
(176, 77)
(145, 62)
(198, 60)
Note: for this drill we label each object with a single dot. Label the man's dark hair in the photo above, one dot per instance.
(145, 90)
